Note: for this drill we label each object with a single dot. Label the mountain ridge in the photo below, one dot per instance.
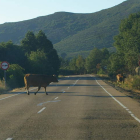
(74, 33)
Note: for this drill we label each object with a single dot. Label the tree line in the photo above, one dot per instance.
(35, 54)
(124, 60)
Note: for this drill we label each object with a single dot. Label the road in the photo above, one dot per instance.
(77, 108)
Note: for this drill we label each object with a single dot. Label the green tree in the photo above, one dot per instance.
(54, 61)
(72, 65)
(116, 64)
(93, 59)
(127, 42)
(12, 54)
(43, 43)
(104, 61)
(29, 43)
(39, 63)
(35, 45)
(15, 74)
(105, 53)
(80, 63)
(131, 61)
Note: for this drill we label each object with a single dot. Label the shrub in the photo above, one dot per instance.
(15, 76)
(136, 82)
(2, 87)
(101, 71)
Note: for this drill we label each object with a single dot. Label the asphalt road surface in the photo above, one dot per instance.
(77, 108)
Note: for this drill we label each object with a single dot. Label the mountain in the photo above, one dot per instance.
(73, 33)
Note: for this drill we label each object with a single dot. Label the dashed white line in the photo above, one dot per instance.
(40, 104)
(119, 103)
(41, 110)
(9, 138)
(56, 98)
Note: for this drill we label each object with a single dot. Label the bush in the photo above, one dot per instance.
(2, 87)
(101, 71)
(15, 76)
(136, 82)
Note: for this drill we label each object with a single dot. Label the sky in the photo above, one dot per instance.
(19, 10)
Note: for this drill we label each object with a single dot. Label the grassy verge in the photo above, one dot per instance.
(3, 89)
(131, 85)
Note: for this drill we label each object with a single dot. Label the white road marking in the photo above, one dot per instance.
(9, 138)
(9, 96)
(16, 94)
(119, 103)
(40, 104)
(41, 110)
(56, 98)
(75, 82)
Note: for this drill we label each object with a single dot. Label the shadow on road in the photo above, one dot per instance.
(78, 78)
(75, 85)
(97, 96)
(55, 92)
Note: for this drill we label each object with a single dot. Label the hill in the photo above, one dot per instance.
(73, 33)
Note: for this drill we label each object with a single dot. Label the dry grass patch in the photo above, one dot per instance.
(3, 90)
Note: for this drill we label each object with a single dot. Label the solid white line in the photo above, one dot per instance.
(120, 103)
(41, 110)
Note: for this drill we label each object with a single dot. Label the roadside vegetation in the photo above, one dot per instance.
(3, 89)
(35, 55)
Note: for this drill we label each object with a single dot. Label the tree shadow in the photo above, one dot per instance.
(75, 85)
(78, 78)
(98, 96)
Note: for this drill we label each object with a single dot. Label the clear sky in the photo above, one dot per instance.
(19, 10)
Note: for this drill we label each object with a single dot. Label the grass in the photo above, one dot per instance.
(131, 84)
(3, 89)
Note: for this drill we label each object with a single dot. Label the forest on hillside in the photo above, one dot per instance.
(74, 33)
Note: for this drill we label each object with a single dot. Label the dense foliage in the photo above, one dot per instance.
(71, 33)
(96, 62)
(127, 42)
(35, 55)
(124, 60)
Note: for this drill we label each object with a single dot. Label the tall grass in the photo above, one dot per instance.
(136, 82)
(3, 89)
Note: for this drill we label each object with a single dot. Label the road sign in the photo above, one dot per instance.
(4, 65)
